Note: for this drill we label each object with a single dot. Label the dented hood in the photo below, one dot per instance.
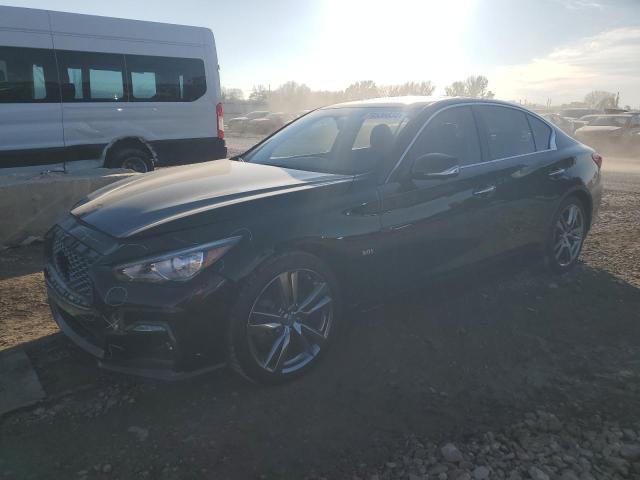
(142, 202)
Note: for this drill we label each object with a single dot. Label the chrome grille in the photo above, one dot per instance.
(71, 260)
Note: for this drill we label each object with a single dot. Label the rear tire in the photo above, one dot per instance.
(284, 319)
(136, 159)
(566, 236)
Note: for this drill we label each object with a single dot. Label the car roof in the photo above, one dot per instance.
(415, 101)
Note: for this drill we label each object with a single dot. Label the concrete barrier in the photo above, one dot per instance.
(31, 203)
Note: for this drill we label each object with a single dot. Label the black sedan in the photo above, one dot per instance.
(249, 262)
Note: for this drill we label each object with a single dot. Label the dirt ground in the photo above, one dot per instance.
(466, 357)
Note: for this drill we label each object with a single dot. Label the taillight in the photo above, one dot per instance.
(220, 117)
(597, 158)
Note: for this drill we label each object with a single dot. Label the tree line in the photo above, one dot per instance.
(293, 96)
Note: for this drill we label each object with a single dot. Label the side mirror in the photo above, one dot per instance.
(68, 92)
(435, 166)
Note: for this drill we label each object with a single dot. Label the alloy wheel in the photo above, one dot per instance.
(568, 235)
(290, 321)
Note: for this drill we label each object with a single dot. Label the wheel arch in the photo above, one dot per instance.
(327, 255)
(584, 196)
(127, 142)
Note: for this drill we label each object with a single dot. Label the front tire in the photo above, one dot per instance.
(566, 237)
(284, 319)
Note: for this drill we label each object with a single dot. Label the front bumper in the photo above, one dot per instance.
(162, 331)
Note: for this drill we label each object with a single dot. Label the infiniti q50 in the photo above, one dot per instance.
(249, 262)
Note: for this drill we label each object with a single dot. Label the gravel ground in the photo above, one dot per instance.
(539, 447)
(505, 373)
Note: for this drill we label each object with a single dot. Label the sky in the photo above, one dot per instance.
(530, 50)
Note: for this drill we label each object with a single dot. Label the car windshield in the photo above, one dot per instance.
(335, 140)
(610, 121)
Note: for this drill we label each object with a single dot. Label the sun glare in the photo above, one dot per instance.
(410, 40)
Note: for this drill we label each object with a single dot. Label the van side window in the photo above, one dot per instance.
(451, 132)
(541, 133)
(105, 84)
(92, 77)
(165, 79)
(27, 75)
(75, 80)
(507, 131)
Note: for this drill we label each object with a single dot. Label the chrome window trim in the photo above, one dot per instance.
(552, 141)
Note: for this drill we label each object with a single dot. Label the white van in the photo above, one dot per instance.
(121, 93)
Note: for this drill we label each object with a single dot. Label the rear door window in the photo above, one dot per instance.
(506, 130)
(541, 133)
(452, 132)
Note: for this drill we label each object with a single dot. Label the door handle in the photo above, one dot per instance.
(557, 172)
(485, 191)
(449, 172)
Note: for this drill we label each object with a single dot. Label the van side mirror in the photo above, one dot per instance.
(435, 166)
(68, 92)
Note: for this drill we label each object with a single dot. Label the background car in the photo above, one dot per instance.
(269, 123)
(607, 132)
(565, 124)
(240, 124)
(251, 262)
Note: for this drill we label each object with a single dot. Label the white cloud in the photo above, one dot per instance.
(607, 61)
(578, 4)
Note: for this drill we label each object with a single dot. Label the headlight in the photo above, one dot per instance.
(176, 266)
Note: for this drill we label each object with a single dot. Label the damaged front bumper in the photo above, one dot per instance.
(168, 333)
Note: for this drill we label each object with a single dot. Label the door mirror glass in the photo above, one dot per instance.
(435, 165)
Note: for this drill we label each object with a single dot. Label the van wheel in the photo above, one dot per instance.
(135, 159)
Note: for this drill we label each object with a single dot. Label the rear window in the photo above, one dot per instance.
(507, 131)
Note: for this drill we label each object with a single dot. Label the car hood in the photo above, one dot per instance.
(589, 129)
(137, 204)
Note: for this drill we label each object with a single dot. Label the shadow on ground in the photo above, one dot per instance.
(467, 355)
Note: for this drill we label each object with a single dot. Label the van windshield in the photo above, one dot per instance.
(336, 140)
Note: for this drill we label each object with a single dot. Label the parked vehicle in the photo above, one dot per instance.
(583, 121)
(578, 112)
(241, 124)
(563, 123)
(251, 261)
(269, 123)
(122, 93)
(610, 131)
